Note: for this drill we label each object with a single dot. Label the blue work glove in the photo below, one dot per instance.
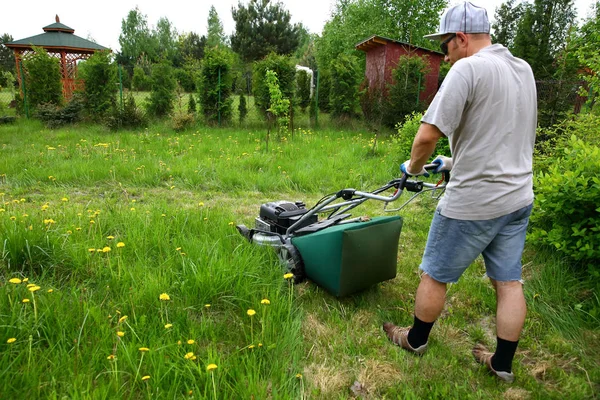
(405, 167)
(444, 164)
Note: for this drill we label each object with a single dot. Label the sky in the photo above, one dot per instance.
(101, 21)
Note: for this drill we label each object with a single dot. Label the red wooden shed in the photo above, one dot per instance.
(382, 58)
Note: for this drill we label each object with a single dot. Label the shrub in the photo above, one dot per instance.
(324, 91)
(403, 93)
(101, 80)
(566, 214)
(242, 108)
(371, 103)
(141, 81)
(185, 78)
(182, 121)
(279, 105)
(192, 105)
(128, 117)
(54, 116)
(215, 84)
(43, 79)
(162, 94)
(303, 83)
(344, 87)
(406, 134)
(286, 75)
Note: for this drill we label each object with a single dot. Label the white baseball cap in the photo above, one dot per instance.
(465, 17)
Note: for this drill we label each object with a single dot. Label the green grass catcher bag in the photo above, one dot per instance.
(347, 258)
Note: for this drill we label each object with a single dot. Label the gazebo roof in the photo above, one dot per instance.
(57, 36)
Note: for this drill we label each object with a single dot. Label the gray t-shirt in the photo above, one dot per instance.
(487, 107)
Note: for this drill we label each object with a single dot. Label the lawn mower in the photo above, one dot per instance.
(327, 245)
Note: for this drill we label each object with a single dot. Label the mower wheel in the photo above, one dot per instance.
(292, 262)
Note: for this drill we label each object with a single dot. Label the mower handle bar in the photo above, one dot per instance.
(348, 194)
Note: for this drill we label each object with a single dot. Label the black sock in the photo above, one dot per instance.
(505, 352)
(419, 333)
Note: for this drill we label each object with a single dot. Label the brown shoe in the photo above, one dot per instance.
(399, 335)
(483, 356)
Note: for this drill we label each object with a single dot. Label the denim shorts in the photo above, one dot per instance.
(453, 244)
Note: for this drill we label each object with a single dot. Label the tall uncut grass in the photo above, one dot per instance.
(122, 276)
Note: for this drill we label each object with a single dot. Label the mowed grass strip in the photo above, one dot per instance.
(144, 282)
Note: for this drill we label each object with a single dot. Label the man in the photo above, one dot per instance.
(487, 109)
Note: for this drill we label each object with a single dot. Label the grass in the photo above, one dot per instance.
(171, 199)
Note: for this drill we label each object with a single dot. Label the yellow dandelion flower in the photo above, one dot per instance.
(15, 280)
(179, 342)
(34, 288)
(123, 318)
(111, 357)
(145, 377)
(78, 229)
(25, 279)
(250, 312)
(132, 209)
(120, 333)
(64, 199)
(289, 275)
(50, 290)
(251, 346)
(260, 345)
(231, 224)
(299, 376)
(91, 250)
(13, 218)
(178, 248)
(106, 249)
(110, 237)
(265, 301)
(168, 326)
(188, 355)
(201, 204)
(25, 300)
(207, 306)
(191, 341)
(144, 349)
(164, 297)
(120, 244)
(11, 340)
(210, 367)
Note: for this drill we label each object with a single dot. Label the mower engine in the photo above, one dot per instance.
(278, 216)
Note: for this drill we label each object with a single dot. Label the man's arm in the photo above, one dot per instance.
(424, 145)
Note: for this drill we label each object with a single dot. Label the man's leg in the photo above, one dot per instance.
(510, 310)
(429, 303)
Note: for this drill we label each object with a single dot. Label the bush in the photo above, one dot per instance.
(101, 80)
(324, 91)
(406, 134)
(372, 103)
(192, 105)
(344, 87)
(303, 83)
(128, 117)
(54, 116)
(141, 82)
(566, 214)
(215, 84)
(162, 94)
(186, 79)
(286, 74)
(183, 121)
(43, 79)
(403, 95)
(242, 108)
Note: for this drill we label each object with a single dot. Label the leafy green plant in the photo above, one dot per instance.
(242, 108)
(215, 85)
(162, 95)
(191, 105)
(303, 89)
(344, 87)
(286, 77)
(101, 80)
(55, 116)
(130, 116)
(567, 214)
(404, 93)
(140, 81)
(182, 121)
(42, 78)
(279, 105)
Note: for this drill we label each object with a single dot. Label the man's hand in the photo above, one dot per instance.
(405, 167)
(444, 164)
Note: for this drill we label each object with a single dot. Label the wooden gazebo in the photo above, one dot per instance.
(60, 42)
